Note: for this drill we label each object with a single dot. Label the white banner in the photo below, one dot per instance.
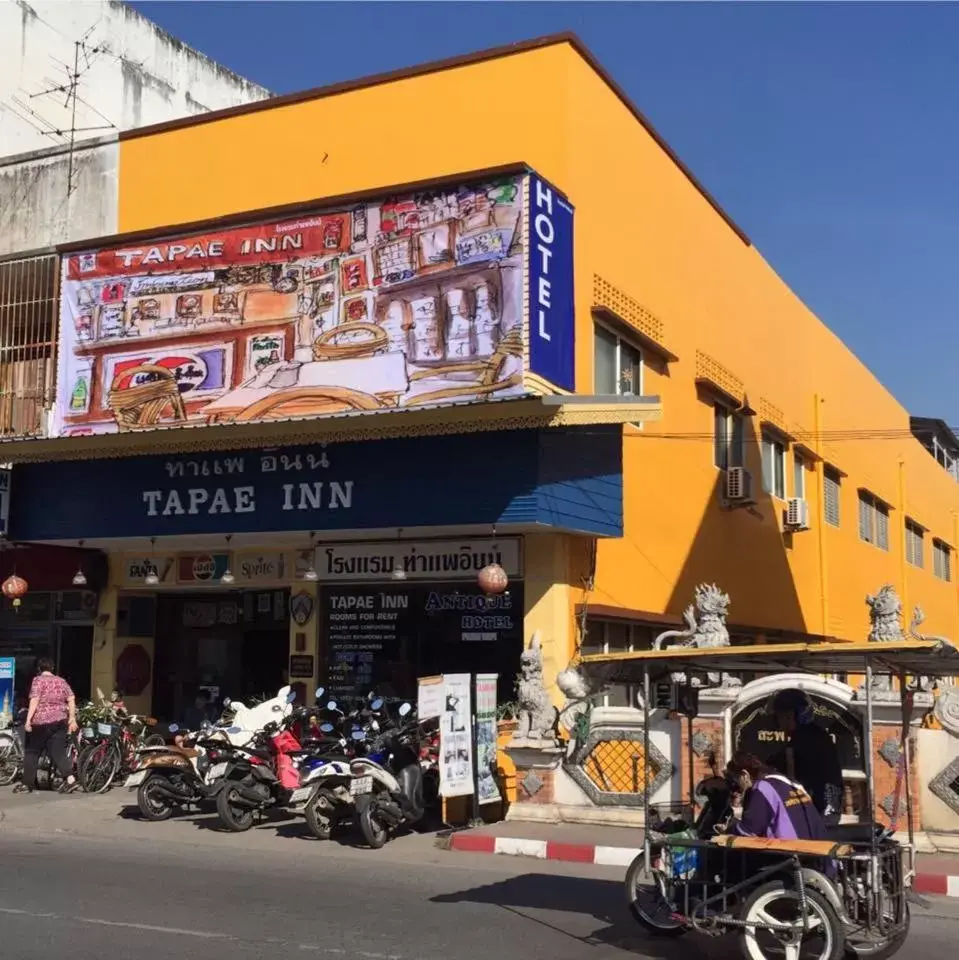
(419, 560)
(486, 746)
(456, 741)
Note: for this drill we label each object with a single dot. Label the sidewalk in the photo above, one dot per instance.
(618, 846)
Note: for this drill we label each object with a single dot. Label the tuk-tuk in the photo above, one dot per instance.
(846, 894)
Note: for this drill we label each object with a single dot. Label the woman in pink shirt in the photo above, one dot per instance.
(51, 715)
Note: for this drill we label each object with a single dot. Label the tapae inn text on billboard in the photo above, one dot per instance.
(407, 302)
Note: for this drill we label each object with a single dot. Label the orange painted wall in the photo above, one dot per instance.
(641, 225)
(469, 118)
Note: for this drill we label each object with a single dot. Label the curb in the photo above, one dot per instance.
(932, 883)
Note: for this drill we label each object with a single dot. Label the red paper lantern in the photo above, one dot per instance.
(14, 588)
(492, 579)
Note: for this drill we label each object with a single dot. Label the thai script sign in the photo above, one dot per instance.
(420, 560)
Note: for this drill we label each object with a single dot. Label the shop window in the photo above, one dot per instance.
(942, 560)
(729, 438)
(617, 364)
(136, 615)
(830, 483)
(873, 520)
(915, 552)
(774, 467)
(617, 636)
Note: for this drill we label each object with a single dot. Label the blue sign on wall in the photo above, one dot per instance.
(568, 479)
(550, 276)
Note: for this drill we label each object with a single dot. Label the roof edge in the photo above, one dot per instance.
(437, 66)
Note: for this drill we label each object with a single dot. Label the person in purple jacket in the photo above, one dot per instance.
(773, 805)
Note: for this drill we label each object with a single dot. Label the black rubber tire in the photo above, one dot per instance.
(154, 740)
(154, 810)
(94, 765)
(787, 889)
(884, 950)
(319, 824)
(237, 819)
(11, 764)
(374, 833)
(637, 870)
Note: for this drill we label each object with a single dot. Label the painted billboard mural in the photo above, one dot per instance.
(412, 301)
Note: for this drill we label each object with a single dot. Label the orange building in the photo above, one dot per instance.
(754, 468)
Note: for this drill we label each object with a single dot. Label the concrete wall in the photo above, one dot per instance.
(36, 210)
(132, 73)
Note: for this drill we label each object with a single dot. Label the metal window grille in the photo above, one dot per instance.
(28, 333)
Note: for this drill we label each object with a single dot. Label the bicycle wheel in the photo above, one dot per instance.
(99, 766)
(11, 763)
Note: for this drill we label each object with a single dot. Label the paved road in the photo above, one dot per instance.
(125, 889)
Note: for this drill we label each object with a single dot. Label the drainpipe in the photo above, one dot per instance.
(821, 516)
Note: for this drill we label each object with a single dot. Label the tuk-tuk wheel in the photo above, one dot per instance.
(883, 949)
(778, 902)
(646, 896)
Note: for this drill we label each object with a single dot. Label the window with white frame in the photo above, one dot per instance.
(915, 548)
(799, 476)
(830, 492)
(774, 466)
(617, 364)
(942, 560)
(617, 636)
(873, 520)
(729, 438)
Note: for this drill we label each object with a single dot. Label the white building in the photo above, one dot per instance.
(72, 75)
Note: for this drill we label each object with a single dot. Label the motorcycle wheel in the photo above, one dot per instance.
(778, 902)
(374, 833)
(232, 816)
(153, 805)
(880, 949)
(317, 814)
(154, 740)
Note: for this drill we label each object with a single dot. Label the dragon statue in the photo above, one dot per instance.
(707, 629)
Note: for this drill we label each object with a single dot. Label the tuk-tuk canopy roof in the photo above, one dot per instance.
(927, 658)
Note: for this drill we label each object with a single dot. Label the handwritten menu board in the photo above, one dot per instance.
(384, 637)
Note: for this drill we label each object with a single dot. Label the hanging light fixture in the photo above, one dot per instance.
(14, 588)
(311, 573)
(228, 577)
(151, 579)
(80, 578)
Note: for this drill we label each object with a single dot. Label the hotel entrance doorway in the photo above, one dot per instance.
(231, 643)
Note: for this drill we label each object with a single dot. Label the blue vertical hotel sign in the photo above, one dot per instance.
(550, 273)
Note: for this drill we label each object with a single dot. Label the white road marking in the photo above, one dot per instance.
(199, 934)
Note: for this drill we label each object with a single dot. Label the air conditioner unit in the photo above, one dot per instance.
(739, 485)
(797, 514)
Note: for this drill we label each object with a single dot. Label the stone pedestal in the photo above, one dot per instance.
(536, 764)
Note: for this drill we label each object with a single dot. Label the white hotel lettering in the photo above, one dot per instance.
(545, 234)
(295, 496)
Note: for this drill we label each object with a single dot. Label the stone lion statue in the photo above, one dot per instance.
(536, 714)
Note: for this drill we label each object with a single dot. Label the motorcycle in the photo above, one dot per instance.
(175, 776)
(388, 783)
(264, 772)
(326, 787)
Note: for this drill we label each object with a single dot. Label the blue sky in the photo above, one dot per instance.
(828, 131)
